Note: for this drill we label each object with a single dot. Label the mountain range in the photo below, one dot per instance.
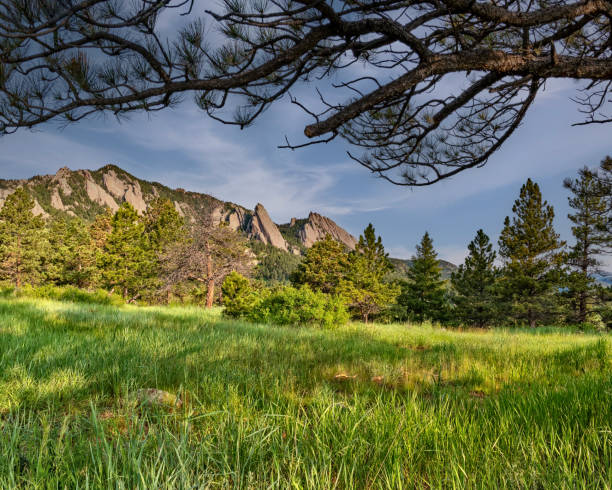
(86, 193)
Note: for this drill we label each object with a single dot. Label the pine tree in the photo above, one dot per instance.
(423, 297)
(212, 252)
(126, 257)
(592, 235)
(533, 256)
(325, 265)
(22, 240)
(363, 286)
(72, 254)
(163, 224)
(473, 283)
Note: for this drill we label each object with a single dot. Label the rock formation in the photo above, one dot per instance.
(123, 190)
(97, 194)
(263, 228)
(82, 192)
(318, 226)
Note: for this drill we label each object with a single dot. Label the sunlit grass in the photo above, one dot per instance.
(361, 406)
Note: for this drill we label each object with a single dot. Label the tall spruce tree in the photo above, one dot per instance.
(22, 240)
(363, 286)
(473, 283)
(72, 254)
(126, 257)
(590, 229)
(163, 224)
(423, 296)
(533, 257)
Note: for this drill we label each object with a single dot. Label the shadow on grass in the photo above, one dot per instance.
(59, 353)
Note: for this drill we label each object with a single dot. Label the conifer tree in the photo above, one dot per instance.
(101, 228)
(22, 240)
(72, 254)
(424, 296)
(363, 285)
(590, 229)
(212, 252)
(533, 257)
(473, 283)
(126, 257)
(325, 265)
(163, 224)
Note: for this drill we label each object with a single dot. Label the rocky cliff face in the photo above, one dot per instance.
(318, 226)
(86, 193)
(262, 228)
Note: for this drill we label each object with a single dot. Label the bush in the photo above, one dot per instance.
(239, 297)
(292, 306)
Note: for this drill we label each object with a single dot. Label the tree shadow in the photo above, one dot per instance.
(71, 354)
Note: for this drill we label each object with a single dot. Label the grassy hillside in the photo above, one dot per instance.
(376, 406)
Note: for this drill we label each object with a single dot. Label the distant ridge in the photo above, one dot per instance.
(86, 193)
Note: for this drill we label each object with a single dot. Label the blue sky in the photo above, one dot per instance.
(182, 148)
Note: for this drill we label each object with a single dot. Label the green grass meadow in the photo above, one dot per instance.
(362, 406)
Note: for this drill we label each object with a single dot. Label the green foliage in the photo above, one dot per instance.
(474, 284)
(589, 202)
(423, 296)
(72, 253)
(363, 286)
(274, 265)
(163, 224)
(127, 259)
(324, 267)
(239, 297)
(533, 258)
(298, 306)
(22, 240)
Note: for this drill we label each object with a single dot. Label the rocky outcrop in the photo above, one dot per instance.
(129, 191)
(61, 178)
(262, 228)
(38, 210)
(237, 219)
(318, 226)
(97, 194)
(56, 201)
(109, 186)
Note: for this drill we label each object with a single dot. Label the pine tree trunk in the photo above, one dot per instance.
(582, 297)
(210, 293)
(531, 318)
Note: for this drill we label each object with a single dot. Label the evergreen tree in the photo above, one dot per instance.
(423, 296)
(72, 254)
(101, 228)
(532, 255)
(325, 265)
(363, 285)
(473, 283)
(22, 240)
(126, 257)
(163, 224)
(590, 228)
(212, 252)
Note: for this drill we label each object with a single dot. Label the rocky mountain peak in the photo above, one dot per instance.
(317, 226)
(262, 228)
(85, 193)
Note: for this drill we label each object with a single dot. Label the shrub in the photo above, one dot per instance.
(292, 306)
(239, 297)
